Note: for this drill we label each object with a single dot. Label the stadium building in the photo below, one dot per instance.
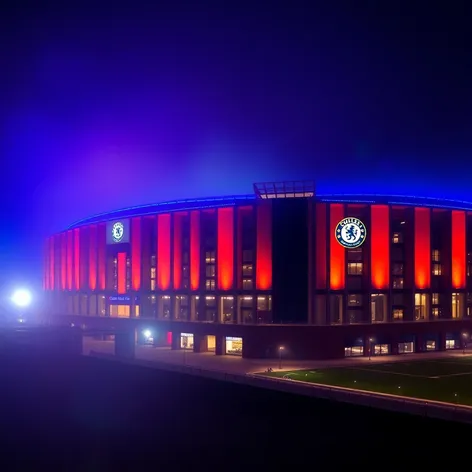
(280, 271)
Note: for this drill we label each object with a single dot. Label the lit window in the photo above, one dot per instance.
(397, 238)
(354, 300)
(354, 268)
(210, 270)
(398, 283)
(435, 312)
(398, 314)
(435, 299)
(153, 284)
(210, 257)
(247, 270)
(153, 272)
(210, 285)
(247, 284)
(436, 255)
(437, 270)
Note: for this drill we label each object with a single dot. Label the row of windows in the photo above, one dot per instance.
(425, 307)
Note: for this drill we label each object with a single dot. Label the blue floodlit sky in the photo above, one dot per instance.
(109, 107)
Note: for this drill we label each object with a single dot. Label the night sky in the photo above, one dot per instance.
(111, 106)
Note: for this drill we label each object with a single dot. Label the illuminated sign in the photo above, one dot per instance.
(121, 299)
(350, 232)
(118, 232)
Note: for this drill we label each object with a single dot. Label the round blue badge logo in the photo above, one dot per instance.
(350, 232)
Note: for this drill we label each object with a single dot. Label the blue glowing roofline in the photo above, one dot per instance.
(232, 200)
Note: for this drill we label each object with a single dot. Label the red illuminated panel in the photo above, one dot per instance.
(136, 253)
(321, 250)
(163, 251)
(458, 249)
(337, 274)
(77, 259)
(264, 247)
(422, 248)
(46, 265)
(194, 250)
(177, 251)
(63, 241)
(225, 257)
(70, 259)
(121, 272)
(93, 257)
(102, 248)
(380, 246)
(51, 263)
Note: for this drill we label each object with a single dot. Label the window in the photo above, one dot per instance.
(336, 309)
(247, 270)
(354, 300)
(247, 284)
(355, 316)
(353, 351)
(398, 283)
(437, 269)
(210, 257)
(436, 255)
(354, 268)
(397, 238)
(210, 285)
(398, 314)
(354, 255)
(247, 256)
(406, 348)
(378, 306)
(210, 270)
(397, 268)
(435, 312)
(457, 299)
(421, 306)
(435, 299)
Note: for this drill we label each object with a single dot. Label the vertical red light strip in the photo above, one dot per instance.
(225, 256)
(51, 263)
(70, 259)
(163, 251)
(422, 248)
(177, 251)
(63, 261)
(380, 246)
(93, 257)
(337, 275)
(194, 250)
(458, 249)
(102, 253)
(121, 273)
(264, 246)
(136, 253)
(77, 259)
(321, 249)
(46, 265)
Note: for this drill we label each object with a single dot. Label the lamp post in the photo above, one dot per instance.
(464, 342)
(281, 348)
(371, 340)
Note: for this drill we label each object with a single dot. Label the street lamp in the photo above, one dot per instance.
(464, 342)
(371, 340)
(21, 298)
(281, 349)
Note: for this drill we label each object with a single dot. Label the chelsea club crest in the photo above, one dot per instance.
(117, 232)
(350, 232)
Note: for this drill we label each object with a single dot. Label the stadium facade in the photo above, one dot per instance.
(283, 269)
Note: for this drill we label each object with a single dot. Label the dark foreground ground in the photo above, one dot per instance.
(96, 415)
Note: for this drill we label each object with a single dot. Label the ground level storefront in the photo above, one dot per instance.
(287, 341)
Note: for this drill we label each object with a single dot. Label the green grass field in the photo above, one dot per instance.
(447, 380)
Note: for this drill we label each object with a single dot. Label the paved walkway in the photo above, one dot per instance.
(238, 365)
